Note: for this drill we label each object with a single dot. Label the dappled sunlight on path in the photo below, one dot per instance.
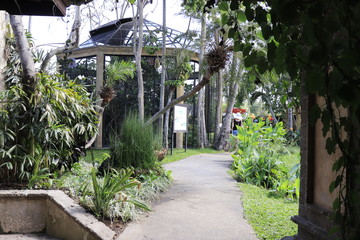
(203, 204)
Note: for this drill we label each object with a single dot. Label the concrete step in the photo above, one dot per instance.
(27, 237)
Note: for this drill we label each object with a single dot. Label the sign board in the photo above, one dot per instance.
(180, 118)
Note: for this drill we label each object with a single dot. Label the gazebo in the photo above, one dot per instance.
(115, 40)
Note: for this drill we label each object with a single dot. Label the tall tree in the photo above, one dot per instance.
(3, 34)
(216, 60)
(138, 47)
(163, 76)
(27, 62)
(201, 123)
(219, 93)
(234, 73)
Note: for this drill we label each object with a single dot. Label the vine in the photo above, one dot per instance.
(317, 42)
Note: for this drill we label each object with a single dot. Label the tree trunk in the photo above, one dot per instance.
(205, 80)
(167, 119)
(22, 44)
(201, 129)
(224, 133)
(219, 95)
(3, 57)
(138, 46)
(163, 76)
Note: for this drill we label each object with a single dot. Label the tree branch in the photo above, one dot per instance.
(201, 84)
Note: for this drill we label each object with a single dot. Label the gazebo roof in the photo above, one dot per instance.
(120, 33)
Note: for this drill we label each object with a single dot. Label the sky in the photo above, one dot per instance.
(53, 31)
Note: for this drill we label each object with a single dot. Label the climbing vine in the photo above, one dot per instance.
(317, 42)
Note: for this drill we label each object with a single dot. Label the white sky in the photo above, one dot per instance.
(54, 30)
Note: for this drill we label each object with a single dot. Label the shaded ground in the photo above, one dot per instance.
(203, 204)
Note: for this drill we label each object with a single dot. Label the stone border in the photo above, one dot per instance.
(49, 211)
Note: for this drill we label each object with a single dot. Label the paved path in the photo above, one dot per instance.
(203, 204)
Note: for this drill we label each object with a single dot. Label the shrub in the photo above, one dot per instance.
(45, 130)
(42, 126)
(257, 158)
(135, 145)
(111, 188)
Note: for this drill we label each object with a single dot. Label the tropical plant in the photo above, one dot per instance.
(119, 70)
(111, 188)
(316, 41)
(257, 158)
(289, 184)
(44, 125)
(134, 145)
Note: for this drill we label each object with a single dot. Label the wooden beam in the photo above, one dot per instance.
(120, 51)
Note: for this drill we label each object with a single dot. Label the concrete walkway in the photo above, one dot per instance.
(203, 204)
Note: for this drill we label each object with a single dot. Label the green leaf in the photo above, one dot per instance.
(332, 187)
(247, 50)
(330, 145)
(238, 46)
(232, 32)
(250, 60)
(338, 164)
(223, 6)
(266, 31)
(325, 120)
(139, 204)
(262, 64)
(224, 19)
(241, 16)
(314, 114)
(292, 68)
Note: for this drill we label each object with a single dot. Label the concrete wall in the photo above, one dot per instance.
(51, 212)
(315, 205)
(22, 216)
(323, 162)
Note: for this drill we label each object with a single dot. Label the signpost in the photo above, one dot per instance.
(180, 123)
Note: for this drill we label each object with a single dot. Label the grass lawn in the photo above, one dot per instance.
(268, 215)
(179, 154)
(98, 154)
(292, 158)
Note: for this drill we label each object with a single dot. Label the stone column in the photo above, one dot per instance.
(100, 63)
(314, 218)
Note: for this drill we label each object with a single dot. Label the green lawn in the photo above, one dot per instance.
(179, 153)
(268, 215)
(292, 158)
(96, 155)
